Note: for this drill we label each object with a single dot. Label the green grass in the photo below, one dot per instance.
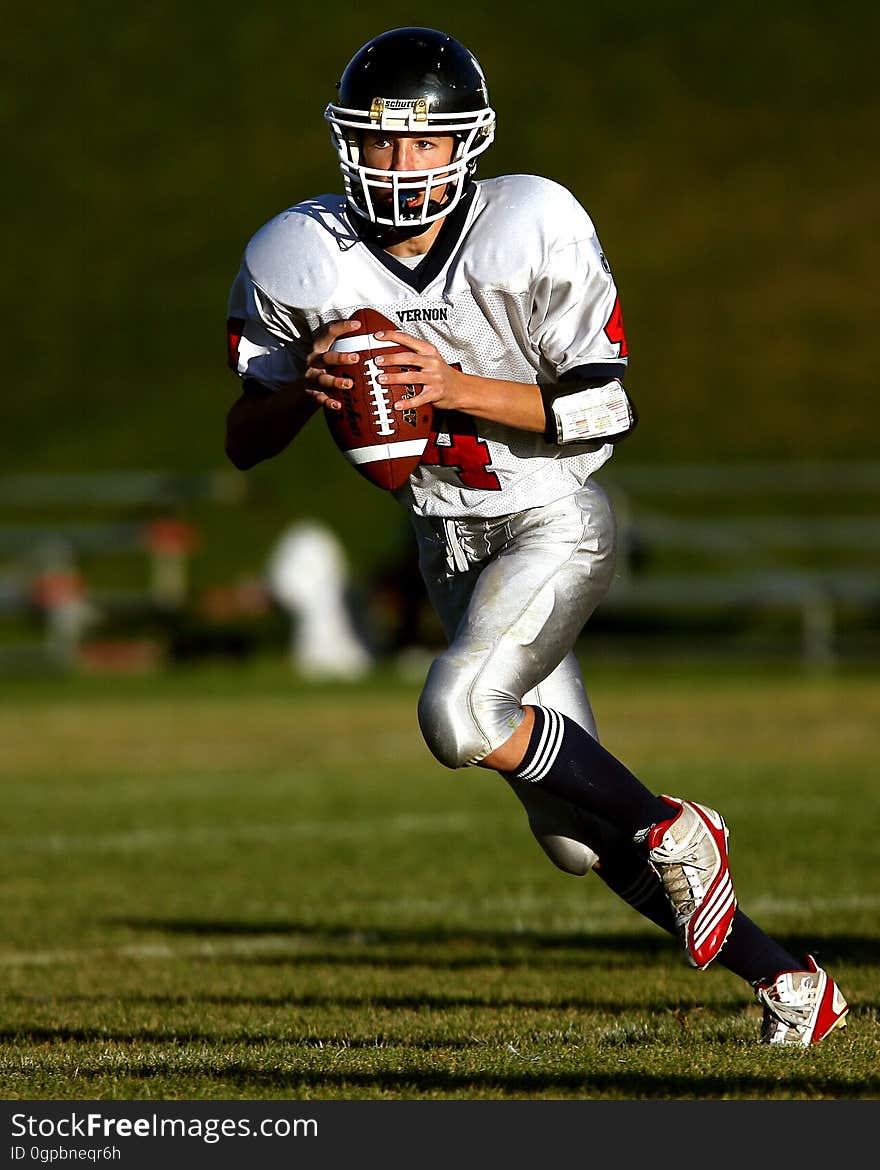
(227, 885)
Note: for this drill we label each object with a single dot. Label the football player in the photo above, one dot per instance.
(515, 335)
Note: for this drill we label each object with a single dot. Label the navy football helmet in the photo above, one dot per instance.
(410, 80)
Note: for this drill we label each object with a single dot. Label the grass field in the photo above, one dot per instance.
(226, 885)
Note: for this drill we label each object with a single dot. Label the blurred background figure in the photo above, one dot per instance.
(307, 575)
(58, 592)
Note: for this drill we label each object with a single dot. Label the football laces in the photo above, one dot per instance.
(380, 398)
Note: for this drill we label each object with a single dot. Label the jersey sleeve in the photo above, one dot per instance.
(266, 341)
(576, 321)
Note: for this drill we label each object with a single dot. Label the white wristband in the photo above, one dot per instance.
(592, 413)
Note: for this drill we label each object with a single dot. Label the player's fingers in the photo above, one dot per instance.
(336, 329)
(323, 399)
(332, 357)
(320, 360)
(414, 343)
(425, 395)
(403, 359)
(326, 337)
(401, 377)
(318, 381)
(318, 373)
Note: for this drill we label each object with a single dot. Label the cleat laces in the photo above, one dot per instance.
(684, 867)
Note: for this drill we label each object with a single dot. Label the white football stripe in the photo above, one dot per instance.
(379, 451)
(359, 342)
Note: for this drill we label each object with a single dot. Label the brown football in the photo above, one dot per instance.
(383, 444)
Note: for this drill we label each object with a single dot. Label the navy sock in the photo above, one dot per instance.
(627, 873)
(567, 761)
(749, 952)
(754, 955)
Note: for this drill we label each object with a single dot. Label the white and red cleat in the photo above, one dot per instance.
(801, 1007)
(689, 854)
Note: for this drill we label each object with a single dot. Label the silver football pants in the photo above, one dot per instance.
(513, 594)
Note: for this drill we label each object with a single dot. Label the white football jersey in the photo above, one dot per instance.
(515, 287)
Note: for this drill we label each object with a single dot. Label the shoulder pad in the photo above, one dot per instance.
(538, 208)
(294, 258)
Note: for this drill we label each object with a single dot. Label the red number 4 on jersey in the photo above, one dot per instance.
(614, 329)
(462, 449)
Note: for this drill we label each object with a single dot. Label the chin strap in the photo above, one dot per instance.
(386, 236)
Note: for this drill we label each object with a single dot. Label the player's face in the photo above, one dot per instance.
(395, 151)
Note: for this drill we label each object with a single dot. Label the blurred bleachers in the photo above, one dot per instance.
(759, 557)
(787, 549)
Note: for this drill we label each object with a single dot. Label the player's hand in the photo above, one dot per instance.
(435, 380)
(325, 368)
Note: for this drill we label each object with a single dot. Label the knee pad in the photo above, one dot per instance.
(566, 853)
(461, 720)
(557, 827)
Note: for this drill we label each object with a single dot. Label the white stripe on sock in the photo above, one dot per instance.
(548, 747)
(526, 772)
(546, 759)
